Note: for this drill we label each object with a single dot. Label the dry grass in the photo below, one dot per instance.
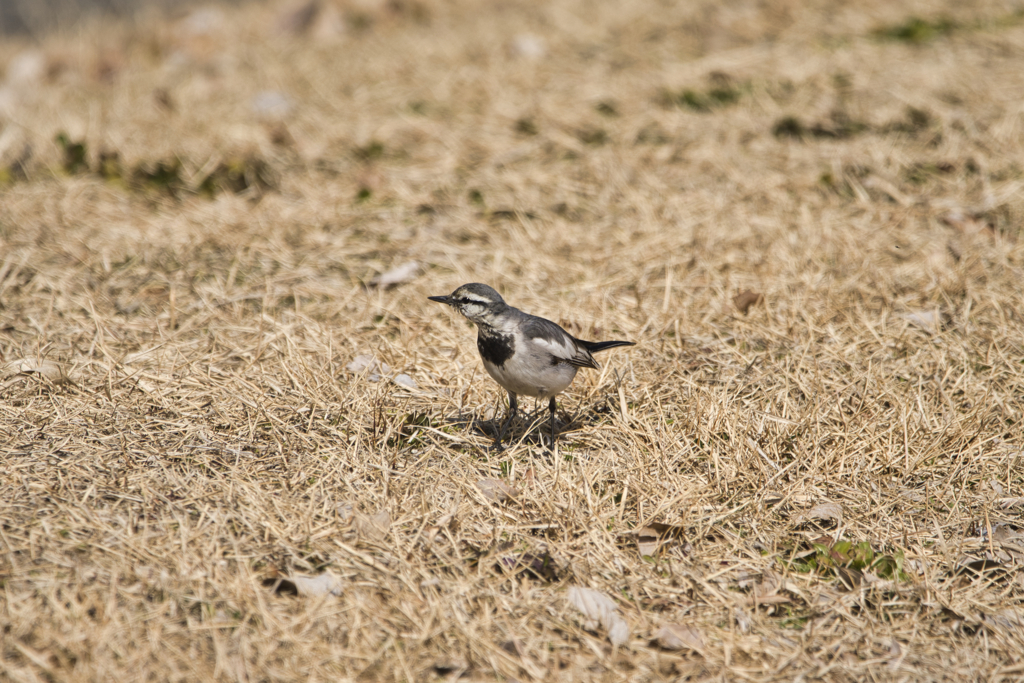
(627, 181)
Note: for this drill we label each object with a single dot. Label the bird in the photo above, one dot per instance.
(525, 354)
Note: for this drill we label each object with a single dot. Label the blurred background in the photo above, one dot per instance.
(219, 224)
(36, 17)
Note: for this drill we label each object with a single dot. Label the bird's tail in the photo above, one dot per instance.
(594, 347)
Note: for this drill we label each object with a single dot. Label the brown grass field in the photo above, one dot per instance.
(807, 215)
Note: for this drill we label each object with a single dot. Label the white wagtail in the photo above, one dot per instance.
(523, 353)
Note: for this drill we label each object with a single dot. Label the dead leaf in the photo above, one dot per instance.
(321, 584)
(974, 568)
(822, 512)
(679, 637)
(513, 647)
(346, 512)
(647, 541)
(968, 223)
(451, 667)
(745, 299)
(1009, 618)
(373, 527)
(599, 610)
(47, 369)
(850, 577)
(926, 320)
(1007, 536)
(365, 363)
(537, 566)
(306, 586)
(406, 381)
(765, 588)
(655, 535)
(743, 621)
(768, 586)
(912, 495)
(895, 654)
(495, 490)
(396, 276)
(528, 46)
(449, 521)
(767, 600)
(888, 189)
(530, 477)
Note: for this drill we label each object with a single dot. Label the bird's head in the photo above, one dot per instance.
(478, 302)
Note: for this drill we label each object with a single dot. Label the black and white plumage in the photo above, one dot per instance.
(527, 355)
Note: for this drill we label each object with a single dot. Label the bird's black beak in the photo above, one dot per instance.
(441, 299)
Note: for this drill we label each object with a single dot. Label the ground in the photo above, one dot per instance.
(237, 442)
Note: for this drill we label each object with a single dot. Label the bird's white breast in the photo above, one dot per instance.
(532, 374)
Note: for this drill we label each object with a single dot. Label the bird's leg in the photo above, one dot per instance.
(551, 407)
(513, 408)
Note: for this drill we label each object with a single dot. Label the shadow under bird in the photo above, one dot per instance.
(525, 354)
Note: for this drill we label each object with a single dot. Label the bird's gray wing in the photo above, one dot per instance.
(559, 343)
